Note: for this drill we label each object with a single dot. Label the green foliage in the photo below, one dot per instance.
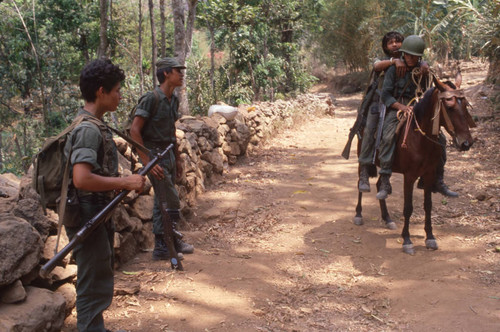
(263, 51)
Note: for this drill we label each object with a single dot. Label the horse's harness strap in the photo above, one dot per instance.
(459, 94)
(448, 94)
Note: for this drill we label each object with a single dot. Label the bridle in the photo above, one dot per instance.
(439, 108)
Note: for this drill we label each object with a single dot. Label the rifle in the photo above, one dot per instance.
(362, 111)
(98, 219)
(380, 125)
(169, 234)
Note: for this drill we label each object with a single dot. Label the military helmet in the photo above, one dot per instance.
(413, 45)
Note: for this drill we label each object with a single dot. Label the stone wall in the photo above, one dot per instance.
(209, 145)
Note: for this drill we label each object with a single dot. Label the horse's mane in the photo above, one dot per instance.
(425, 103)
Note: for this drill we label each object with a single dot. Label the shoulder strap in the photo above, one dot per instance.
(65, 181)
(155, 105)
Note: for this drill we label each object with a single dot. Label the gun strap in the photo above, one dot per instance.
(132, 142)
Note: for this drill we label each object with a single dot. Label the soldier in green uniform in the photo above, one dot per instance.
(94, 174)
(397, 92)
(154, 127)
(391, 42)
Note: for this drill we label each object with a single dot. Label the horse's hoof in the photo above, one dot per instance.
(391, 225)
(408, 249)
(364, 188)
(382, 194)
(431, 244)
(358, 221)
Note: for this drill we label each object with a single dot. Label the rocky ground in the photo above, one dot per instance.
(276, 249)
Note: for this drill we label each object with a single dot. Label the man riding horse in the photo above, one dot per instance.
(372, 107)
(398, 95)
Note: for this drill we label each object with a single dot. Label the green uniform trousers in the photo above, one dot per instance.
(369, 135)
(94, 259)
(168, 185)
(388, 141)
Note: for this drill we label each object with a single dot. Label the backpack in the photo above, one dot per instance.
(51, 169)
(128, 123)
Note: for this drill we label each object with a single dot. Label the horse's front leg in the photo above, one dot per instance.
(358, 218)
(407, 212)
(430, 241)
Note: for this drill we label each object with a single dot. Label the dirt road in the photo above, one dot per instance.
(276, 249)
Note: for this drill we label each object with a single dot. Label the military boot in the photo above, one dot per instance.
(180, 245)
(440, 186)
(160, 252)
(443, 189)
(385, 186)
(364, 182)
(420, 183)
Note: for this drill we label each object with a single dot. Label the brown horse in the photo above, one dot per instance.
(418, 151)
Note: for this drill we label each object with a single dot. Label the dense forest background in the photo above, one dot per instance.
(236, 51)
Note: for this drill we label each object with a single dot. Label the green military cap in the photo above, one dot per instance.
(169, 63)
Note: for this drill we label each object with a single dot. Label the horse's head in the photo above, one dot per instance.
(453, 115)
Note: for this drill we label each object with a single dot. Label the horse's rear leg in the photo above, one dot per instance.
(430, 241)
(384, 211)
(407, 212)
(358, 218)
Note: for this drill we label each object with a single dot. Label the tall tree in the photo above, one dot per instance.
(103, 31)
(163, 41)
(154, 46)
(183, 36)
(139, 40)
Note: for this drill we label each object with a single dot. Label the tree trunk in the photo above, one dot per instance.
(112, 50)
(153, 42)
(179, 29)
(141, 72)
(183, 36)
(163, 43)
(103, 38)
(212, 61)
(1, 151)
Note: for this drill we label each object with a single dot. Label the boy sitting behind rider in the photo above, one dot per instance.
(391, 42)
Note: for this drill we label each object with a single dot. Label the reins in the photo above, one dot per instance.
(416, 76)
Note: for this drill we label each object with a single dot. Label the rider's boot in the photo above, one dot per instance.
(420, 183)
(364, 182)
(385, 186)
(440, 186)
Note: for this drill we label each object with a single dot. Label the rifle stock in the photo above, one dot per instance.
(362, 112)
(169, 235)
(347, 147)
(97, 219)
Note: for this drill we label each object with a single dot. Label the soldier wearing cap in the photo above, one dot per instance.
(154, 126)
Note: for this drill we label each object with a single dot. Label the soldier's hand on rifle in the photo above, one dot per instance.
(400, 67)
(134, 182)
(157, 172)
